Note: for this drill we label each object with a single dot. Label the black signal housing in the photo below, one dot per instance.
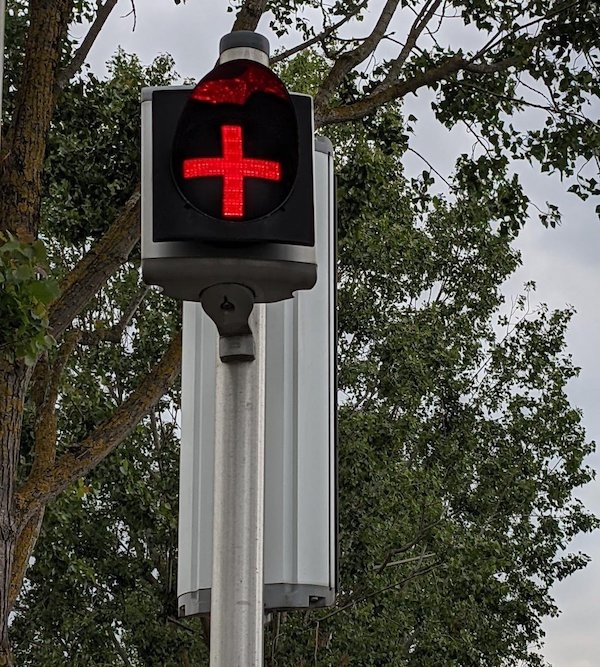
(273, 129)
(228, 180)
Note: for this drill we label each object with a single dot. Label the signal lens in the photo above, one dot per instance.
(236, 148)
(233, 167)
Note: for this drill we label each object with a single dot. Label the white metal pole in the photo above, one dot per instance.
(237, 609)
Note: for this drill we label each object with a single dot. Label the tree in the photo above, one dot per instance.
(459, 452)
(50, 313)
(453, 504)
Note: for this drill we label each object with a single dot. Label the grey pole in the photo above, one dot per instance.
(237, 609)
(237, 605)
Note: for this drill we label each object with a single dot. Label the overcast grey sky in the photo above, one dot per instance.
(563, 262)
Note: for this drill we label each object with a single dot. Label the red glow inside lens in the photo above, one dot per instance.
(233, 167)
(255, 78)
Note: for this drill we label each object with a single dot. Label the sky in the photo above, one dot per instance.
(563, 262)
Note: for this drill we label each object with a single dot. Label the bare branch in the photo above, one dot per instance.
(409, 545)
(549, 99)
(132, 12)
(485, 144)
(433, 169)
(131, 309)
(398, 584)
(103, 259)
(38, 490)
(553, 109)
(346, 62)
(179, 624)
(318, 38)
(68, 72)
(114, 334)
(404, 561)
(420, 23)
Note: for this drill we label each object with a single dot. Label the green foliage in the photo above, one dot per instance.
(304, 73)
(528, 90)
(108, 545)
(554, 55)
(26, 291)
(94, 147)
(108, 552)
(459, 450)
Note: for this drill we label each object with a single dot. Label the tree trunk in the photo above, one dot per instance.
(13, 384)
(25, 142)
(21, 166)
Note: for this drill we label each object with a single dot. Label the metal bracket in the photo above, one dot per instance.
(229, 306)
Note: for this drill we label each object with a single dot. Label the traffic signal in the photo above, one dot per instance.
(227, 172)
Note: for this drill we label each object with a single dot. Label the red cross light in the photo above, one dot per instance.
(234, 168)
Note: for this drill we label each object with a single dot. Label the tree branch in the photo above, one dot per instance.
(397, 584)
(114, 333)
(404, 561)
(419, 24)
(38, 490)
(119, 648)
(409, 545)
(381, 96)
(24, 146)
(103, 259)
(23, 550)
(45, 395)
(519, 101)
(45, 399)
(346, 62)
(433, 169)
(318, 38)
(499, 38)
(68, 72)
(249, 15)
(492, 68)
(360, 109)
(179, 624)
(386, 93)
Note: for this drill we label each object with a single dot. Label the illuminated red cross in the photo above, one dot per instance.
(234, 168)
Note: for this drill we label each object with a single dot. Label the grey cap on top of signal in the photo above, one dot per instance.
(244, 45)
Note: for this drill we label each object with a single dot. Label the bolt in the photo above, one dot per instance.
(227, 305)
